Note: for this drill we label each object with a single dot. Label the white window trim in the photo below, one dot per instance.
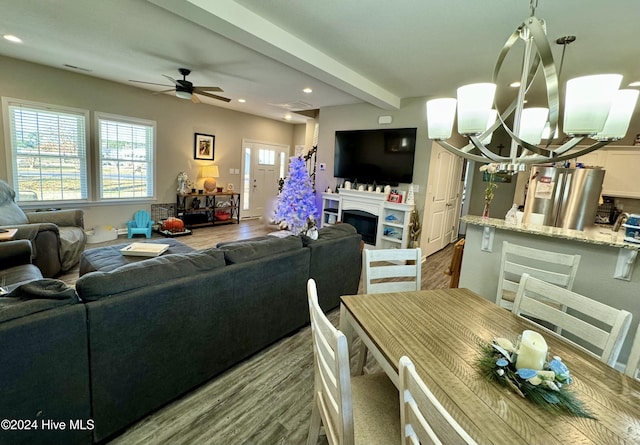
(98, 115)
(11, 165)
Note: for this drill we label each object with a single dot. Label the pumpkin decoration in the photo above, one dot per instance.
(173, 224)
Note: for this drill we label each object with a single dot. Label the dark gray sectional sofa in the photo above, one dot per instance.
(148, 332)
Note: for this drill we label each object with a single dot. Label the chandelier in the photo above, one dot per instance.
(594, 108)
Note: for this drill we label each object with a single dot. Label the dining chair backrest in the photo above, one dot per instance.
(456, 264)
(359, 410)
(553, 267)
(423, 419)
(391, 270)
(331, 370)
(633, 364)
(534, 295)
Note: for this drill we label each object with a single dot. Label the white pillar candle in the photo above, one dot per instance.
(533, 351)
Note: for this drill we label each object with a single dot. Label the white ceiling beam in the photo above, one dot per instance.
(235, 22)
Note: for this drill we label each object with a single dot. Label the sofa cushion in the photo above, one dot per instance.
(330, 233)
(35, 296)
(153, 271)
(256, 248)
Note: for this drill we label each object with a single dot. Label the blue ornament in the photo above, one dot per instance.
(502, 362)
(526, 373)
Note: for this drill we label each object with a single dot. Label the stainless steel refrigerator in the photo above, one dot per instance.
(563, 197)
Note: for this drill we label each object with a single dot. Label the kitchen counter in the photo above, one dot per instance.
(608, 272)
(602, 235)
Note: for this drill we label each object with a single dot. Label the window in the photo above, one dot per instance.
(48, 147)
(126, 153)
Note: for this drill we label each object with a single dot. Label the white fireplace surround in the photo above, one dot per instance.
(377, 205)
(370, 202)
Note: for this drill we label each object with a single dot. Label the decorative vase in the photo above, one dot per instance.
(487, 208)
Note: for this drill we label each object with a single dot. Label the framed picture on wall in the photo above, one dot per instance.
(203, 146)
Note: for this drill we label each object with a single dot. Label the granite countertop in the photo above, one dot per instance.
(593, 235)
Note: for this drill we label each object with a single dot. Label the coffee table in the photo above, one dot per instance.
(108, 258)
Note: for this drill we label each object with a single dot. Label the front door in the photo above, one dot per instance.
(263, 166)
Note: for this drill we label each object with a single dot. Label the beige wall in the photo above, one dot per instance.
(363, 117)
(177, 121)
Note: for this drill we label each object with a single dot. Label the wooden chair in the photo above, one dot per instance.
(423, 420)
(456, 263)
(633, 364)
(353, 410)
(389, 270)
(556, 268)
(533, 295)
(140, 225)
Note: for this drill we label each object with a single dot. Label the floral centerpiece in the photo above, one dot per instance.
(525, 368)
(489, 174)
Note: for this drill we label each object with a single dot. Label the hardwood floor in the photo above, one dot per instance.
(264, 400)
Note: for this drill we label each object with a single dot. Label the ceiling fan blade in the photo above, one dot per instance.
(218, 89)
(150, 83)
(172, 80)
(164, 91)
(213, 96)
(195, 99)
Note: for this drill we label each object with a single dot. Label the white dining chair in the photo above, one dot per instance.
(534, 295)
(389, 270)
(353, 410)
(423, 419)
(633, 363)
(553, 267)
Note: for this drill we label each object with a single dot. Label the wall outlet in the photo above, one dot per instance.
(416, 188)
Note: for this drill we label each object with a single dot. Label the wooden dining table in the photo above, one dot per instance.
(442, 332)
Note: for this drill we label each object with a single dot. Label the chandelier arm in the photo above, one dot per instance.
(458, 152)
(569, 144)
(488, 153)
(548, 67)
(582, 152)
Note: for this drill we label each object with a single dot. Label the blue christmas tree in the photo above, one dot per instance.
(296, 208)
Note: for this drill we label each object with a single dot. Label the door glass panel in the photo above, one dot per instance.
(266, 157)
(246, 179)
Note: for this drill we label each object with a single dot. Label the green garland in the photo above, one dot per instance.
(554, 397)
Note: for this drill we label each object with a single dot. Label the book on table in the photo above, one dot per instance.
(144, 249)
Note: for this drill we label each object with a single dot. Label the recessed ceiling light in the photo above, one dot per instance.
(307, 90)
(241, 101)
(12, 38)
(287, 117)
(514, 84)
(635, 84)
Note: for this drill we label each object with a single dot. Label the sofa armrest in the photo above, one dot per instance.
(14, 253)
(70, 217)
(45, 245)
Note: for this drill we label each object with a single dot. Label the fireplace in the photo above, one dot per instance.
(366, 224)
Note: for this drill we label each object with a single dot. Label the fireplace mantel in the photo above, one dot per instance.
(393, 218)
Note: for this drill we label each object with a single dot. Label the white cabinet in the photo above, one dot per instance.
(622, 170)
(330, 209)
(394, 226)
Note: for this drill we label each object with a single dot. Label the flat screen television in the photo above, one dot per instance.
(384, 156)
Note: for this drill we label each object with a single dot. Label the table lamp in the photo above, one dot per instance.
(210, 173)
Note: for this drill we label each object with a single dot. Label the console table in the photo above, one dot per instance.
(207, 209)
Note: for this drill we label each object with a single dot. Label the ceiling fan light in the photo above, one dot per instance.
(532, 122)
(440, 116)
(183, 94)
(588, 101)
(617, 123)
(474, 105)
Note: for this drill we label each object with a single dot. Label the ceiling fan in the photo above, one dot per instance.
(185, 89)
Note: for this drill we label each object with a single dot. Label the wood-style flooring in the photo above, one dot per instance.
(264, 400)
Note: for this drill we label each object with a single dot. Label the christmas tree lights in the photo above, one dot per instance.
(296, 209)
